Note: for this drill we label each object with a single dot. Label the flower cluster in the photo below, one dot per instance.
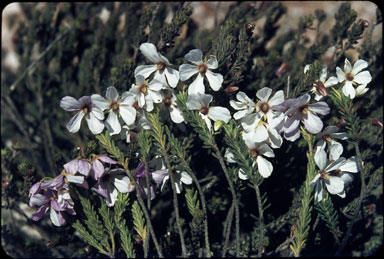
(264, 123)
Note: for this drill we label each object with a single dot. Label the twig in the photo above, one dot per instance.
(227, 229)
(261, 218)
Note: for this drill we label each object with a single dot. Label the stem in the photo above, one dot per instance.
(227, 229)
(147, 183)
(233, 192)
(261, 218)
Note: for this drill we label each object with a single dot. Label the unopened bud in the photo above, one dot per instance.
(376, 122)
(365, 23)
(249, 27)
(231, 89)
(281, 69)
(320, 88)
(31, 171)
(217, 125)
(5, 185)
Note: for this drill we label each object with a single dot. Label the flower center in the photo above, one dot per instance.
(264, 107)
(254, 152)
(136, 105)
(324, 175)
(349, 76)
(320, 88)
(144, 88)
(86, 108)
(204, 110)
(327, 137)
(203, 68)
(114, 106)
(303, 108)
(167, 101)
(160, 66)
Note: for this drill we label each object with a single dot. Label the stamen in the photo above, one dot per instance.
(203, 68)
(114, 106)
(144, 88)
(204, 110)
(349, 76)
(264, 107)
(160, 66)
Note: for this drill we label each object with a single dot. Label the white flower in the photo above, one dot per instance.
(361, 90)
(169, 106)
(128, 132)
(328, 135)
(116, 107)
(320, 86)
(146, 93)
(353, 76)
(201, 68)
(200, 102)
(330, 174)
(83, 107)
(244, 105)
(163, 73)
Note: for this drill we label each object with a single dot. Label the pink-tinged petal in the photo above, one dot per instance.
(77, 179)
(159, 175)
(334, 185)
(212, 62)
(187, 70)
(74, 123)
(215, 80)
(85, 100)
(265, 167)
(84, 185)
(70, 104)
(340, 74)
(122, 183)
(106, 159)
(292, 123)
(54, 183)
(263, 94)
(331, 81)
(34, 189)
(57, 218)
(56, 206)
(140, 170)
(84, 167)
(39, 214)
(94, 124)
(363, 78)
(172, 76)
(150, 52)
(197, 86)
(72, 166)
(292, 136)
(347, 66)
(320, 159)
(312, 123)
(101, 189)
(97, 169)
(38, 200)
(320, 108)
(195, 56)
(349, 90)
(359, 65)
(350, 165)
(112, 93)
(219, 113)
(112, 123)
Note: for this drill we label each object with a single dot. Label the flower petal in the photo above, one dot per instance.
(219, 113)
(39, 214)
(320, 108)
(197, 86)
(122, 183)
(94, 124)
(335, 150)
(215, 80)
(185, 178)
(212, 62)
(72, 166)
(350, 165)
(112, 93)
(335, 164)
(150, 52)
(195, 56)
(347, 66)
(70, 104)
(363, 78)
(331, 81)
(128, 114)
(172, 77)
(340, 74)
(335, 185)
(106, 159)
(176, 115)
(265, 167)
(38, 200)
(56, 218)
(359, 65)
(97, 169)
(159, 175)
(349, 90)
(112, 123)
(277, 99)
(186, 71)
(312, 123)
(74, 123)
(321, 158)
(263, 94)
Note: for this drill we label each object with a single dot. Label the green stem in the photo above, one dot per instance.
(227, 229)
(261, 218)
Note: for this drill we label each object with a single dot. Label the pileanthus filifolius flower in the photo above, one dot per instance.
(116, 107)
(320, 86)
(83, 108)
(202, 69)
(161, 66)
(353, 76)
(146, 93)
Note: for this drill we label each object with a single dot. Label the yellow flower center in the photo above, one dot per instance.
(203, 68)
(160, 66)
(144, 88)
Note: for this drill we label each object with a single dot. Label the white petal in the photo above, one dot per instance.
(195, 56)
(320, 108)
(215, 80)
(263, 94)
(314, 181)
(321, 158)
(145, 70)
(155, 85)
(229, 157)
(363, 78)
(100, 102)
(212, 63)
(349, 90)
(265, 150)
(75, 179)
(186, 71)
(121, 182)
(207, 121)
(347, 178)
(335, 150)
(197, 86)
(219, 113)
(347, 66)
(70, 104)
(242, 175)
(74, 123)
(335, 164)
(274, 137)
(361, 89)
(331, 81)
(335, 185)
(156, 97)
(128, 113)
(323, 74)
(94, 125)
(240, 114)
(277, 99)
(53, 215)
(176, 115)
(312, 123)
(112, 93)
(243, 97)
(172, 76)
(186, 178)
(150, 52)
(318, 192)
(306, 68)
(359, 65)
(193, 102)
(97, 113)
(265, 167)
(237, 105)
(340, 74)
(112, 123)
(350, 165)
(292, 123)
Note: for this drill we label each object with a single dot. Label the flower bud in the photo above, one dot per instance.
(231, 89)
(281, 69)
(365, 23)
(249, 27)
(217, 125)
(376, 122)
